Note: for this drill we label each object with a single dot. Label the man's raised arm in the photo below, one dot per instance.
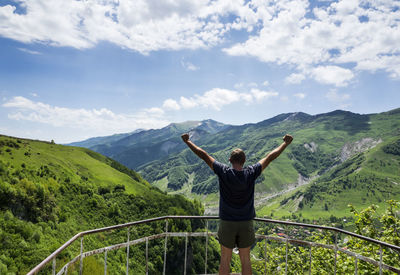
(198, 151)
(287, 139)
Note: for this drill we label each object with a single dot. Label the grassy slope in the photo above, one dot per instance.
(50, 192)
(73, 163)
(368, 178)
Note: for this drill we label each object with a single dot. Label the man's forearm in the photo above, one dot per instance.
(277, 151)
(197, 150)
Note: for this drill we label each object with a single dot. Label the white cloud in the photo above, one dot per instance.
(329, 35)
(281, 32)
(102, 120)
(217, 98)
(295, 78)
(34, 94)
(300, 95)
(140, 25)
(266, 83)
(259, 95)
(332, 75)
(187, 103)
(154, 111)
(171, 104)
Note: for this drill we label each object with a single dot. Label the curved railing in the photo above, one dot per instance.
(286, 239)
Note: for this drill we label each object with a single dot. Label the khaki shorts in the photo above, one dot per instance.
(236, 233)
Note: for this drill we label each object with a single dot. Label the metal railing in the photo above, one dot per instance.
(286, 240)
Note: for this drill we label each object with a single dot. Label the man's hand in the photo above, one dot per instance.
(287, 139)
(185, 137)
(198, 151)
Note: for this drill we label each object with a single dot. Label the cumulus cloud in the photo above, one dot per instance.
(259, 95)
(95, 119)
(171, 104)
(217, 98)
(313, 39)
(321, 40)
(106, 121)
(140, 25)
(332, 75)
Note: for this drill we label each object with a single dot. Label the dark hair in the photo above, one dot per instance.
(238, 156)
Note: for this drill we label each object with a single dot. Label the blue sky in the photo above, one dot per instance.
(70, 70)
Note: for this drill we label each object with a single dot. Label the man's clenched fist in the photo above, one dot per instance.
(287, 139)
(185, 137)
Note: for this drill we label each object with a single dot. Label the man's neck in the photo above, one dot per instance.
(237, 166)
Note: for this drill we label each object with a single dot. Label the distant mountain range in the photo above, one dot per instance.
(322, 144)
(143, 146)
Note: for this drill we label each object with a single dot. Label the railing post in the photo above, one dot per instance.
(81, 258)
(165, 246)
(310, 258)
(380, 260)
(265, 256)
(186, 244)
(127, 253)
(147, 255)
(105, 263)
(54, 266)
(356, 266)
(336, 249)
(287, 252)
(205, 263)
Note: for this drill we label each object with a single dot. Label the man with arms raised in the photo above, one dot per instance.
(236, 203)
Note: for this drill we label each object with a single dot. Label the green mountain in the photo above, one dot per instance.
(368, 177)
(91, 142)
(141, 147)
(322, 144)
(50, 192)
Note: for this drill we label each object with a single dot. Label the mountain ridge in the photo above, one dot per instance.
(322, 141)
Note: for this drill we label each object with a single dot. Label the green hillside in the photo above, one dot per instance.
(49, 192)
(371, 177)
(321, 142)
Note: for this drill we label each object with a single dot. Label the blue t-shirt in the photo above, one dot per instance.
(236, 191)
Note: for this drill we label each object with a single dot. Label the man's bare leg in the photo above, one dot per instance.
(244, 254)
(225, 264)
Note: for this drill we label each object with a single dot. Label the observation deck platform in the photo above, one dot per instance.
(295, 236)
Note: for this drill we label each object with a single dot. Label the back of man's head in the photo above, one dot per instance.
(238, 156)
